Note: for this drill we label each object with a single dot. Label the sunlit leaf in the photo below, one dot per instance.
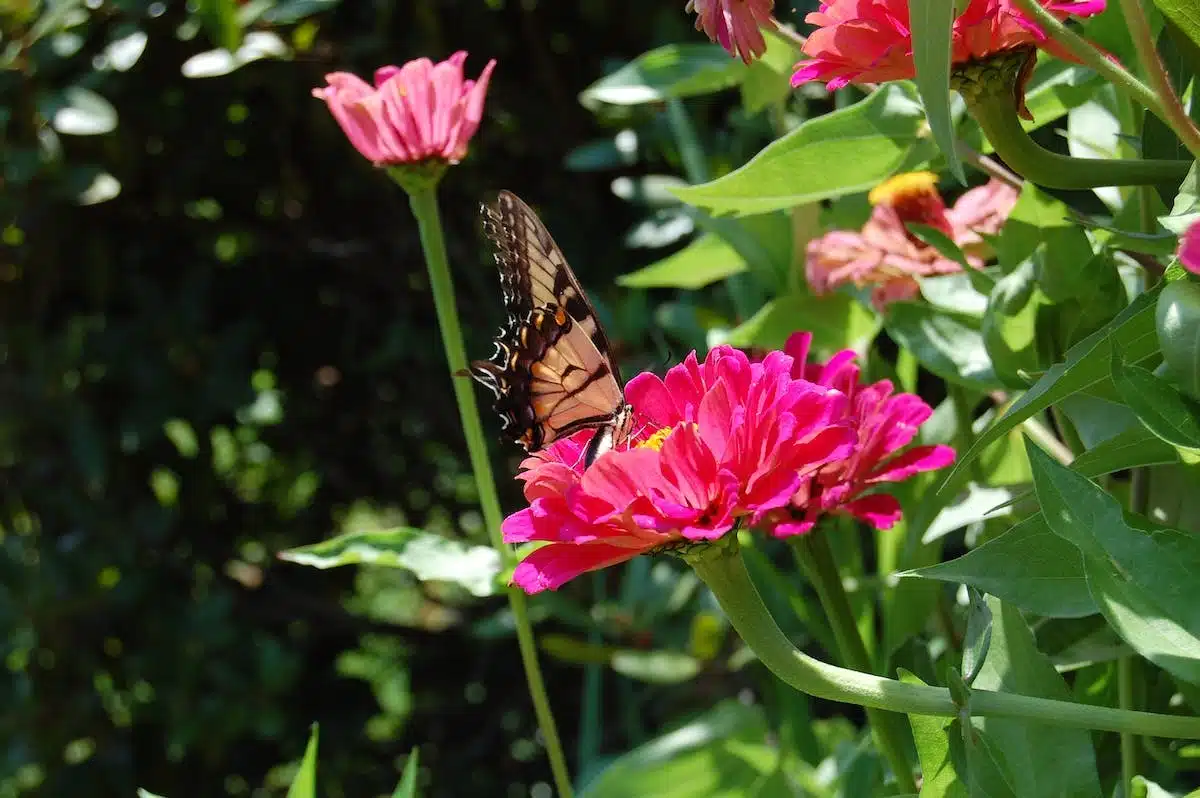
(673, 70)
(706, 260)
(304, 785)
(930, 25)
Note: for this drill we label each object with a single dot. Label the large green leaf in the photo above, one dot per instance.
(1049, 761)
(1028, 566)
(673, 70)
(930, 23)
(1087, 364)
(1130, 448)
(1164, 410)
(706, 260)
(722, 753)
(837, 321)
(1185, 14)
(1142, 577)
(949, 345)
(304, 785)
(429, 557)
(939, 777)
(867, 141)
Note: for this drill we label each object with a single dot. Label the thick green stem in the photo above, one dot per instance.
(423, 200)
(721, 568)
(1128, 741)
(890, 729)
(997, 118)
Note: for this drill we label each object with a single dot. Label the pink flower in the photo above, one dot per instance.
(887, 257)
(869, 41)
(734, 24)
(884, 424)
(731, 439)
(418, 112)
(1189, 248)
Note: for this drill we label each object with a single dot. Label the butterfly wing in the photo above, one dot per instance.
(549, 379)
(533, 270)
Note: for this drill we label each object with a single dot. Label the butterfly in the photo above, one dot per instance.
(552, 373)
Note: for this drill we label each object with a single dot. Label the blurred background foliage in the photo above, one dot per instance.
(218, 342)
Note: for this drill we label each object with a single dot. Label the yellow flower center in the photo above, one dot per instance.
(657, 440)
(896, 189)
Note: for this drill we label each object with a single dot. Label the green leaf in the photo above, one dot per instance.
(1143, 579)
(220, 20)
(868, 141)
(1184, 14)
(988, 772)
(768, 78)
(656, 667)
(429, 557)
(978, 638)
(1049, 761)
(706, 260)
(407, 788)
(939, 778)
(1164, 411)
(955, 293)
(837, 321)
(1177, 320)
(1086, 365)
(673, 70)
(949, 345)
(1009, 326)
(930, 23)
(143, 793)
(1056, 88)
(1130, 448)
(1027, 566)
(764, 242)
(941, 242)
(304, 785)
(719, 753)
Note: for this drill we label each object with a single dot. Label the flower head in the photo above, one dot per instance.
(1189, 248)
(870, 41)
(414, 113)
(884, 424)
(730, 439)
(734, 24)
(885, 256)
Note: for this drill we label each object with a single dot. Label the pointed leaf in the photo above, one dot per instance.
(407, 788)
(706, 260)
(930, 23)
(304, 785)
(673, 70)
(939, 778)
(949, 345)
(1132, 447)
(1164, 410)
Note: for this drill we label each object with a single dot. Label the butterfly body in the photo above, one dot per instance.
(551, 374)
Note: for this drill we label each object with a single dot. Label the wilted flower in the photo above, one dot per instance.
(418, 112)
(884, 423)
(734, 24)
(885, 256)
(1189, 248)
(729, 439)
(870, 41)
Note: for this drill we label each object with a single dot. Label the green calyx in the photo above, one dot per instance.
(1002, 75)
(419, 175)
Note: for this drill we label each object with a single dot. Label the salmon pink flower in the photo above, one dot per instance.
(414, 113)
(734, 24)
(731, 439)
(870, 41)
(884, 424)
(1189, 248)
(886, 257)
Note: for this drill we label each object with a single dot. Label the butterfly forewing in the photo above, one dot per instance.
(552, 373)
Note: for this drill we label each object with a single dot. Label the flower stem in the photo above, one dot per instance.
(1082, 49)
(997, 117)
(721, 568)
(423, 200)
(1128, 741)
(1152, 65)
(890, 729)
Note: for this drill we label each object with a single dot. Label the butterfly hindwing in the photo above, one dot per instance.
(552, 373)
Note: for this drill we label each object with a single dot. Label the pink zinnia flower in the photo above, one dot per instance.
(1189, 248)
(884, 423)
(734, 24)
(731, 439)
(887, 257)
(869, 41)
(418, 112)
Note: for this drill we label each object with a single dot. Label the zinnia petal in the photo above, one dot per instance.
(552, 566)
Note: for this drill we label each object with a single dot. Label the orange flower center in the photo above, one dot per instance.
(914, 197)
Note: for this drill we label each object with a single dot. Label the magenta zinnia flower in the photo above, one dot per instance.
(734, 24)
(1189, 248)
(884, 424)
(721, 440)
(418, 112)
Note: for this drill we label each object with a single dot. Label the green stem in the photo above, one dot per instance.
(1160, 81)
(423, 200)
(890, 729)
(1128, 741)
(1079, 47)
(997, 118)
(721, 568)
(964, 431)
(907, 370)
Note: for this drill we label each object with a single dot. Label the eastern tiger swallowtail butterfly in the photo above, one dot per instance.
(552, 373)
